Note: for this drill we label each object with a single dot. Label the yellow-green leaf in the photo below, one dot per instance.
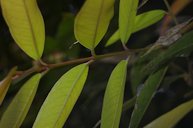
(171, 118)
(145, 95)
(62, 98)
(141, 21)
(4, 85)
(92, 22)
(148, 18)
(114, 38)
(26, 25)
(127, 14)
(113, 99)
(18, 108)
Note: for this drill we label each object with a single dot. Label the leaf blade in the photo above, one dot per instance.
(26, 25)
(145, 96)
(148, 18)
(18, 108)
(113, 100)
(92, 22)
(64, 95)
(171, 118)
(142, 21)
(127, 14)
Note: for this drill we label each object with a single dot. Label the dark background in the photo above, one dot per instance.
(59, 17)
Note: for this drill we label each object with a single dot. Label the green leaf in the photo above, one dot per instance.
(182, 46)
(129, 104)
(141, 21)
(148, 18)
(145, 95)
(26, 25)
(18, 108)
(158, 58)
(171, 118)
(113, 99)
(4, 85)
(92, 22)
(62, 98)
(127, 14)
(136, 74)
(114, 38)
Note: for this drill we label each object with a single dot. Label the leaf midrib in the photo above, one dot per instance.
(31, 29)
(96, 27)
(69, 95)
(127, 25)
(29, 99)
(122, 83)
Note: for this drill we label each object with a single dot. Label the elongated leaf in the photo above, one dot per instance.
(113, 100)
(136, 74)
(26, 25)
(148, 18)
(141, 21)
(127, 14)
(158, 58)
(4, 85)
(181, 47)
(126, 106)
(62, 98)
(92, 22)
(145, 96)
(171, 118)
(113, 39)
(18, 108)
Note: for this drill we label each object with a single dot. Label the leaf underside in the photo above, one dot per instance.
(92, 21)
(62, 98)
(26, 25)
(113, 99)
(18, 108)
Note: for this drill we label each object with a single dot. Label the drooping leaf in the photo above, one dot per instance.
(113, 99)
(141, 21)
(127, 14)
(92, 22)
(26, 25)
(171, 118)
(61, 99)
(18, 108)
(144, 97)
(4, 85)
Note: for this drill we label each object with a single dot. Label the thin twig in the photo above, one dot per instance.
(170, 12)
